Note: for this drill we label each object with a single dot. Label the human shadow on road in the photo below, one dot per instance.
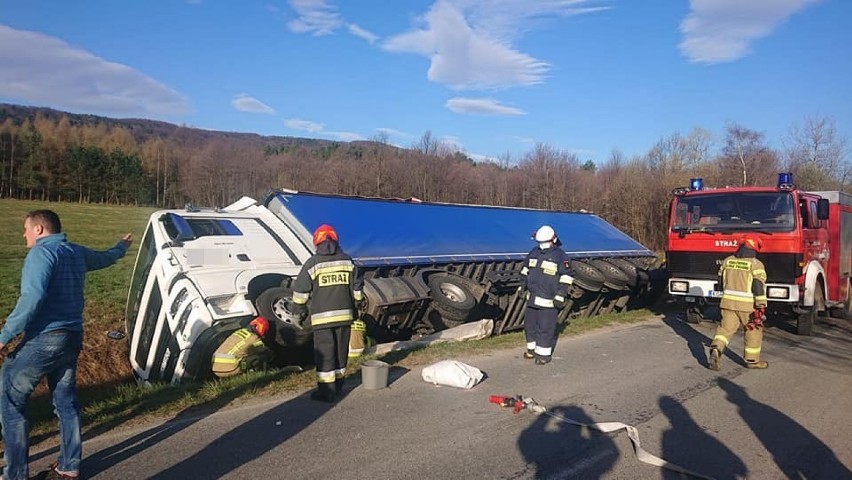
(687, 445)
(796, 451)
(555, 449)
(697, 342)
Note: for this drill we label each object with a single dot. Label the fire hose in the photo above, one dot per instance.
(518, 403)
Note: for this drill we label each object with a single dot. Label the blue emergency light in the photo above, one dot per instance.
(696, 184)
(785, 180)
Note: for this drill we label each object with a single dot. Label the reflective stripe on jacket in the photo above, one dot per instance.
(547, 277)
(743, 284)
(329, 280)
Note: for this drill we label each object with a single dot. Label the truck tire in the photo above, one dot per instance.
(272, 305)
(844, 311)
(805, 321)
(452, 296)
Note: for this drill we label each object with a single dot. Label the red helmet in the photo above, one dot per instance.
(752, 242)
(259, 326)
(323, 233)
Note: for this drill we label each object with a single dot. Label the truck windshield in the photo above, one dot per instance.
(144, 260)
(763, 211)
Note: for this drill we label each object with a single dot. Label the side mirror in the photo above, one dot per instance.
(822, 209)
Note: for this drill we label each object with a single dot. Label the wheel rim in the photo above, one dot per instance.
(453, 292)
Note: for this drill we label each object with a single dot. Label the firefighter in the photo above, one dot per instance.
(329, 281)
(743, 280)
(547, 280)
(243, 350)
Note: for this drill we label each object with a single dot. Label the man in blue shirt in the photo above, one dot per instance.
(49, 313)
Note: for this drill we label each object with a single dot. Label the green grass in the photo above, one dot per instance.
(114, 399)
(95, 226)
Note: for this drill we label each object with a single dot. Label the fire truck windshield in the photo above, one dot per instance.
(728, 211)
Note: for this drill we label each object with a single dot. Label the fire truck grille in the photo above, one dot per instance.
(780, 267)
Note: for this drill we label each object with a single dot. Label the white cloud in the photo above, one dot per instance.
(469, 42)
(481, 106)
(344, 136)
(317, 128)
(392, 132)
(361, 33)
(246, 103)
(718, 31)
(304, 125)
(316, 17)
(40, 69)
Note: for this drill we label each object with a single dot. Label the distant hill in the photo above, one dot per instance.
(144, 130)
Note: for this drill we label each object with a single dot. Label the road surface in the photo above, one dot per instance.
(790, 421)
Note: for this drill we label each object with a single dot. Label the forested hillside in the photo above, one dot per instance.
(56, 156)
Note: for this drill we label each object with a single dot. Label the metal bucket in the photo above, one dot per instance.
(374, 374)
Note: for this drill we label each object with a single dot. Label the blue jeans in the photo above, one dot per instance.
(52, 355)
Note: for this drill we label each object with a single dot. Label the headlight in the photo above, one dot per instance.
(681, 287)
(229, 305)
(778, 292)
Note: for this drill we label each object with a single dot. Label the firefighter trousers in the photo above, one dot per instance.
(732, 321)
(331, 348)
(540, 330)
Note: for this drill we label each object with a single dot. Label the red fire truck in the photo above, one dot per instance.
(807, 247)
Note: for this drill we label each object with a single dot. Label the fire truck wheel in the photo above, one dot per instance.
(805, 322)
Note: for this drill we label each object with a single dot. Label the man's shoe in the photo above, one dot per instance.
(53, 474)
(542, 360)
(758, 365)
(529, 354)
(715, 359)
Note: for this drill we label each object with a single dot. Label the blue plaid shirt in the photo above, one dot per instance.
(52, 284)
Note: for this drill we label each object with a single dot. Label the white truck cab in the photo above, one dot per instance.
(197, 277)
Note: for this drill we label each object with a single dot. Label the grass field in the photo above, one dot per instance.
(107, 394)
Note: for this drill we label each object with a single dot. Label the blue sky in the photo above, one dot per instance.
(490, 77)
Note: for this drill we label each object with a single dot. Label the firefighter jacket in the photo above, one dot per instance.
(548, 277)
(743, 280)
(329, 280)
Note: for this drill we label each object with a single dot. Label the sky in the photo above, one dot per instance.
(491, 78)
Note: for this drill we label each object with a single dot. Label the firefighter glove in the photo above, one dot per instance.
(559, 302)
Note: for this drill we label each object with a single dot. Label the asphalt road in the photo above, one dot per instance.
(790, 421)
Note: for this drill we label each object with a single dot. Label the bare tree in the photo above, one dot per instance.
(817, 154)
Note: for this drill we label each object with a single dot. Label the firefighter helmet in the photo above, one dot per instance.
(752, 242)
(545, 233)
(323, 233)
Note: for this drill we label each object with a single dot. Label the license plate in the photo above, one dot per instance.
(714, 294)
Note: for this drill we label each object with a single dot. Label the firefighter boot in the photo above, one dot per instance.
(325, 392)
(529, 354)
(715, 361)
(542, 359)
(760, 365)
(338, 385)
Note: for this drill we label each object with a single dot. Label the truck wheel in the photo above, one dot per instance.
(844, 311)
(805, 322)
(272, 305)
(452, 296)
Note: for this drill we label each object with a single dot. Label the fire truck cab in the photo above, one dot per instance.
(807, 246)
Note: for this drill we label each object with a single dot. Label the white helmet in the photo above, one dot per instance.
(545, 234)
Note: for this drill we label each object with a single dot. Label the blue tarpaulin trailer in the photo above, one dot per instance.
(390, 232)
(462, 259)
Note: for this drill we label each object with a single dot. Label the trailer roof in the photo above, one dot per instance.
(388, 232)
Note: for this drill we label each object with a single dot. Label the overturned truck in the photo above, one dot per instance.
(201, 274)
